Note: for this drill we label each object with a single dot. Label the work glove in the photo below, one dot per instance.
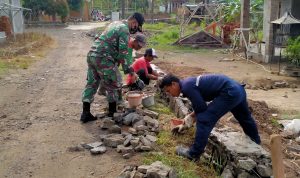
(188, 123)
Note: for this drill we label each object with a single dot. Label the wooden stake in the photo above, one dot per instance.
(276, 153)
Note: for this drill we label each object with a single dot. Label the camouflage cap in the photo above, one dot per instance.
(141, 39)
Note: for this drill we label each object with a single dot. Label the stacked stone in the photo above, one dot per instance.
(156, 169)
(142, 126)
(5, 25)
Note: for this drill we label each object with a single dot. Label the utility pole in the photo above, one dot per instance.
(123, 8)
(152, 11)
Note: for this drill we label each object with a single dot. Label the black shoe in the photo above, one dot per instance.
(112, 108)
(86, 117)
(184, 152)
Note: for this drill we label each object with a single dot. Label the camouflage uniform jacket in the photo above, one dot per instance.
(112, 46)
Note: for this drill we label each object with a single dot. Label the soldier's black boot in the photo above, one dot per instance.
(112, 108)
(86, 115)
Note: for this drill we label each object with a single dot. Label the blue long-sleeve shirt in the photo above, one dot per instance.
(209, 87)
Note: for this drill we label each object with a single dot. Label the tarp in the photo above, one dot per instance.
(286, 19)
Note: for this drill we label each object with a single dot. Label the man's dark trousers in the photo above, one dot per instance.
(232, 98)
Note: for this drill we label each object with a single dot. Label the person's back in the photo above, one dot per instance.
(210, 85)
(111, 40)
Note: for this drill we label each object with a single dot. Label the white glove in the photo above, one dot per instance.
(188, 121)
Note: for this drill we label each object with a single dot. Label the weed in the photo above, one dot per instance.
(166, 144)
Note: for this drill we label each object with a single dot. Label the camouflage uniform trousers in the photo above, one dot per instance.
(106, 73)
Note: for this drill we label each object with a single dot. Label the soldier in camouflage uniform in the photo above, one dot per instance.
(105, 55)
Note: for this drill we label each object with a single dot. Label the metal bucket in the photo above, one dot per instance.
(148, 100)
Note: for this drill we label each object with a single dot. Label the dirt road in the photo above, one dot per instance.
(39, 116)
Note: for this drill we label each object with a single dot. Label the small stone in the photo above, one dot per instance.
(122, 149)
(146, 148)
(244, 175)
(98, 150)
(139, 147)
(152, 114)
(138, 124)
(118, 117)
(3, 116)
(141, 128)
(127, 155)
(151, 122)
(227, 173)
(100, 115)
(297, 139)
(126, 174)
(91, 145)
(141, 132)
(128, 168)
(264, 171)
(172, 173)
(138, 175)
(107, 123)
(143, 169)
(132, 131)
(134, 142)
(115, 129)
(128, 138)
(75, 149)
(247, 164)
(113, 140)
(92, 173)
(127, 120)
(145, 141)
(151, 138)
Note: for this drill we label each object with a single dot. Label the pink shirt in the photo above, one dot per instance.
(140, 63)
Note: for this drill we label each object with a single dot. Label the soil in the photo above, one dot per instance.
(39, 116)
(41, 106)
(264, 99)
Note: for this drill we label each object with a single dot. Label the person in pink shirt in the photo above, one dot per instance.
(143, 69)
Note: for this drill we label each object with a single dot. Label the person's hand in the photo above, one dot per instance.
(188, 121)
(134, 77)
(179, 129)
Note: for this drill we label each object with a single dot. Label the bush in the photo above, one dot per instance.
(292, 51)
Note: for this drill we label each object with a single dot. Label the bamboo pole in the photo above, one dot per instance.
(277, 158)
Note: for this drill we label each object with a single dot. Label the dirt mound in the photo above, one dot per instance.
(179, 70)
(263, 116)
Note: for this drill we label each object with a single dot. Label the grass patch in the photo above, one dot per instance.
(275, 122)
(162, 36)
(166, 144)
(22, 51)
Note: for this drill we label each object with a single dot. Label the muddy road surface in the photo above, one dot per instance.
(40, 111)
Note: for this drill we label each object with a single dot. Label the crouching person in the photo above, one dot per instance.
(225, 95)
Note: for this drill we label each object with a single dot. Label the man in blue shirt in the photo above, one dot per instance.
(225, 95)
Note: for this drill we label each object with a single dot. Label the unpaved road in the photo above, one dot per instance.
(39, 117)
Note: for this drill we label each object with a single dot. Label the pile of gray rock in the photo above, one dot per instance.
(155, 170)
(130, 132)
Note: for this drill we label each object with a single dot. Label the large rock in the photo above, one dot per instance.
(158, 170)
(135, 142)
(151, 122)
(145, 141)
(115, 129)
(107, 123)
(245, 175)
(151, 138)
(118, 117)
(113, 140)
(129, 118)
(143, 168)
(128, 138)
(247, 164)
(147, 112)
(264, 171)
(98, 150)
(126, 174)
(227, 173)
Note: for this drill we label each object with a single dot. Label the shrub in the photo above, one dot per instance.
(292, 51)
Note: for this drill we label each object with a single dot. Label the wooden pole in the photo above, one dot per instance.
(276, 154)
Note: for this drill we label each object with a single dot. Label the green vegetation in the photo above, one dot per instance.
(49, 7)
(292, 51)
(75, 5)
(166, 143)
(20, 53)
(162, 36)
